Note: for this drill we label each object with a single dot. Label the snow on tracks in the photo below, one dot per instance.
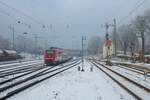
(30, 80)
(138, 91)
(73, 85)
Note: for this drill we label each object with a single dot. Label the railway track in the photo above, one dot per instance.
(136, 68)
(18, 65)
(21, 83)
(15, 77)
(22, 69)
(15, 61)
(137, 76)
(137, 90)
(21, 73)
(133, 74)
(24, 74)
(137, 73)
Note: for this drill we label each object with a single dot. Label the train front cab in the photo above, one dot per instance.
(49, 57)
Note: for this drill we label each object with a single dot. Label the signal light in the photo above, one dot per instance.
(107, 36)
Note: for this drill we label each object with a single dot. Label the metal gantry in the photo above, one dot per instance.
(13, 36)
(82, 42)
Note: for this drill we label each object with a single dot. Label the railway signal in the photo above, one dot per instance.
(107, 36)
(114, 25)
(108, 45)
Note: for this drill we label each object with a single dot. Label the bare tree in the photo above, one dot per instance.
(142, 27)
(126, 37)
(4, 43)
(147, 36)
(130, 35)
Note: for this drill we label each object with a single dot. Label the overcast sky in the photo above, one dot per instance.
(65, 20)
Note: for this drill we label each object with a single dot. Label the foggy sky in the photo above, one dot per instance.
(65, 20)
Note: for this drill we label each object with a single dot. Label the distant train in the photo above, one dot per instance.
(54, 56)
(7, 55)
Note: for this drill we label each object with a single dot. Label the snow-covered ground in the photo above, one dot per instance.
(139, 78)
(75, 85)
(20, 63)
(11, 67)
(128, 62)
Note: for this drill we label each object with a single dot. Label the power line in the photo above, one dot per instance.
(19, 12)
(137, 2)
(7, 14)
(15, 18)
(132, 11)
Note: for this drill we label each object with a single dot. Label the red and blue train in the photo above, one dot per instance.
(55, 56)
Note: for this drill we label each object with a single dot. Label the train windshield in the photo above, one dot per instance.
(49, 52)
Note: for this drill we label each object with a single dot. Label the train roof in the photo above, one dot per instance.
(58, 49)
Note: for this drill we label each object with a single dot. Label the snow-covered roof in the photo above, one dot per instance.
(11, 51)
(1, 51)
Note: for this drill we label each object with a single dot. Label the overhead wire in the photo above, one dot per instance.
(20, 13)
(14, 18)
(7, 14)
(138, 4)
